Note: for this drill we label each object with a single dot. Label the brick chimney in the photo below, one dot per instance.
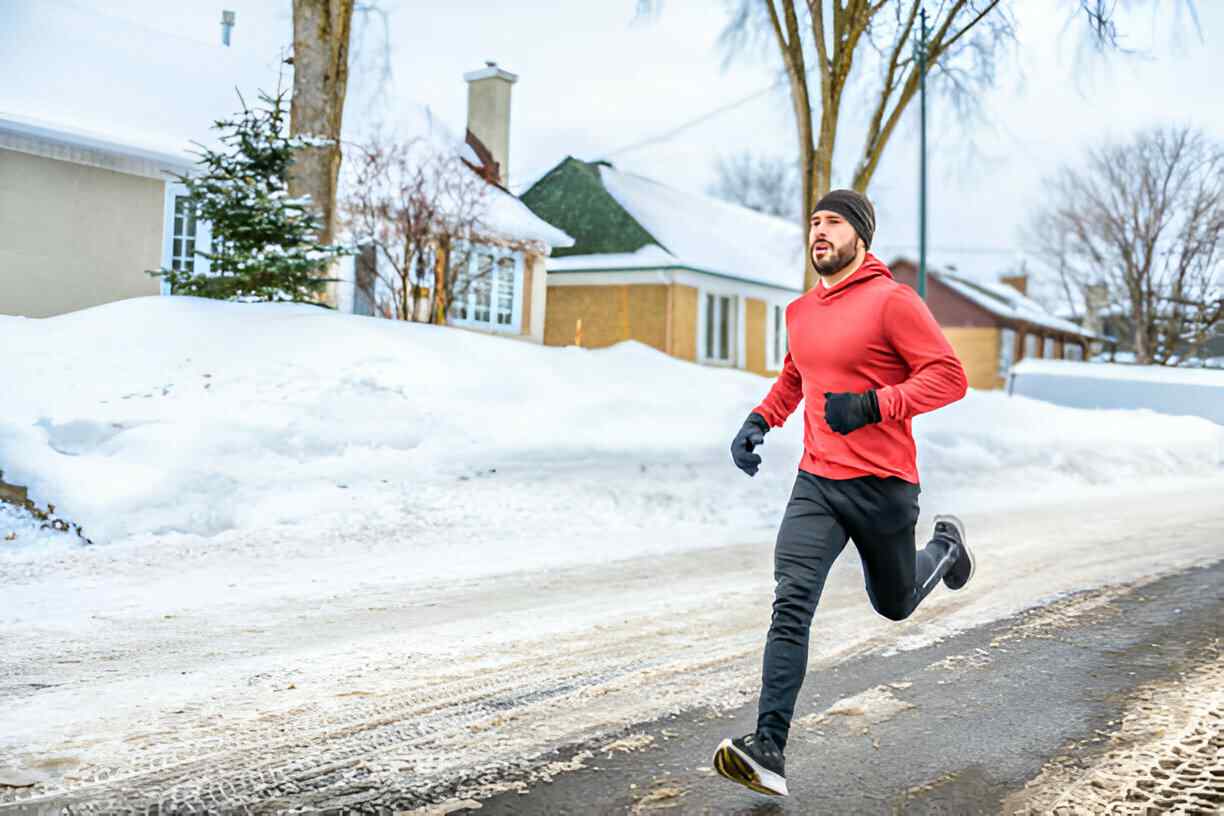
(1017, 282)
(489, 113)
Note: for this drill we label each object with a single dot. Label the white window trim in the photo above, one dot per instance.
(516, 314)
(1007, 350)
(774, 311)
(203, 239)
(737, 328)
(1032, 346)
(740, 339)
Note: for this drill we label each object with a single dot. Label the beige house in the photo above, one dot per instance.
(96, 118)
(695, 277)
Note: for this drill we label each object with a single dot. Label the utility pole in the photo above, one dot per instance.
(922, 161)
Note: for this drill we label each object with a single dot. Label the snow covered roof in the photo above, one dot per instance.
(1006, 301)
(650, 256)
(624, 221)
(104, 84)
(710, 234)
(504, 215)
(113, 83)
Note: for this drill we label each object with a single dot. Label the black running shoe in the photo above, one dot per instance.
(962, 569)
(754, 762)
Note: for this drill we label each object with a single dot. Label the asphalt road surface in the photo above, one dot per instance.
(1117, 695)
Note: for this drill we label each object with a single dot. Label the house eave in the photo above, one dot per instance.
(79, 147)
(678, 268)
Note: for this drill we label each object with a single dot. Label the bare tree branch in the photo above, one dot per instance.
(1142, 224)
(967, 39)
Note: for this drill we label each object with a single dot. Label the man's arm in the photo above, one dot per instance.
(784, 397)
(936, 375)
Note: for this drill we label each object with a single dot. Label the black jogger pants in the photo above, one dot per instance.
(879, 515)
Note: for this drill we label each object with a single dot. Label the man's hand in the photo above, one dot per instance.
(751, 434)
(849, 412)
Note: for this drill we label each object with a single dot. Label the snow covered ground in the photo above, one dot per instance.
(458, 529)
(181, 432)
(171, 418)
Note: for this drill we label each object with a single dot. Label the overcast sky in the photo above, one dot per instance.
(594, 80)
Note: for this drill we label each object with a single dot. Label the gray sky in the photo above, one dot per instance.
(593, 79)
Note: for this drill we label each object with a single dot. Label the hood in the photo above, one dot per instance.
(871, 268)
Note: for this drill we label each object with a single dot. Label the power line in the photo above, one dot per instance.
(686, 125)
(662, 137)
(959, 250)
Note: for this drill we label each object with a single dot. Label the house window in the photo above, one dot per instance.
(1030, 345)
(459, 286)
(185, 234)
(1073, 351)
(718, 327)
(1007, 350)
(183, 237)
(1047, 350)
(482, 285)
(505, 291)
(777, 344)
(487, 289)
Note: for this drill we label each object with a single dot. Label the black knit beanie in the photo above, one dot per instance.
(854, 207)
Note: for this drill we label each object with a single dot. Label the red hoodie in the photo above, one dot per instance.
(868, 331)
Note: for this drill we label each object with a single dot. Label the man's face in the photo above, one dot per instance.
(832, 242)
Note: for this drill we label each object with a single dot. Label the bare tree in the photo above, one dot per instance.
(766, 184)
(419, 209)
(1140, 226)
(827, 46)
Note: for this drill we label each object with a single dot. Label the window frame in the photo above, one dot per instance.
(1031, 339)
(202, 240)
(775, 330)
(1007, 350)
(732, 309)
(497, 254)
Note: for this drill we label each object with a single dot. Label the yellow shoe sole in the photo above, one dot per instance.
(731, 765)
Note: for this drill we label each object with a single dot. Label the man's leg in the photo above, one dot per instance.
(881, 515)
(809, 541)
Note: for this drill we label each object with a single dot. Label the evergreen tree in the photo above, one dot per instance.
(264, 243)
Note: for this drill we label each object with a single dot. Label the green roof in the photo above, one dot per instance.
(572, 198)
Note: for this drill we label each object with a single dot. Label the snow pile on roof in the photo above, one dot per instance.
(502, 214)
(1006, 301)
(648, 257)
(221, 423)
(712, 235)
(96, 75)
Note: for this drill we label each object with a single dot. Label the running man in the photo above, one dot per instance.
(866, 355)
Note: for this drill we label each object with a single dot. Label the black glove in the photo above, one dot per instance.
(750, 435)
(849, 412)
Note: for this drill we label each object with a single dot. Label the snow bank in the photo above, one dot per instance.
(1164, 389)
(172, 416)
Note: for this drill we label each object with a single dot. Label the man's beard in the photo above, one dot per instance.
(835, 261)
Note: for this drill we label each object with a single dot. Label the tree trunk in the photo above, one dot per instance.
(320, 77)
